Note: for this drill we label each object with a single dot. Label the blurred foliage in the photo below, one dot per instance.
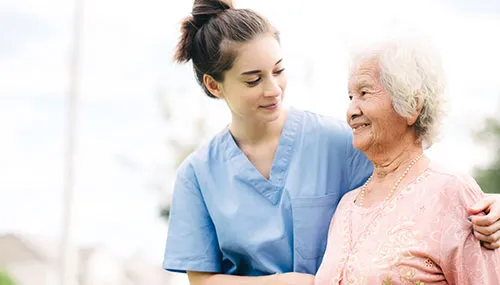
(5, 279)
(489, 177)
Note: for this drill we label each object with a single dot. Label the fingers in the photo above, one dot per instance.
(487, 220)
(487, 230)
(493, 239)
(494, 245)
(482, 205)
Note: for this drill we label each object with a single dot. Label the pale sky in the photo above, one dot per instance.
(126, 54)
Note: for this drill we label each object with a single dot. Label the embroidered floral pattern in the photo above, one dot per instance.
(400, 238)
(387, 281)
(428, 263)
(406, 274)
(402, 242)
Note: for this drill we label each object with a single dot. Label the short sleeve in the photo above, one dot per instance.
(359, 168)
(192, 241)
(462, 258)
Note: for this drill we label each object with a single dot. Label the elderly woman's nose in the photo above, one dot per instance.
(353, 109)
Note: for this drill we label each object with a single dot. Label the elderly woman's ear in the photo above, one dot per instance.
(412, 119)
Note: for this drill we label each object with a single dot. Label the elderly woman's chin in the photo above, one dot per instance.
(362, 139)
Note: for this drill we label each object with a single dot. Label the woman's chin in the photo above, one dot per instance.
(273, 116)
(360, 145)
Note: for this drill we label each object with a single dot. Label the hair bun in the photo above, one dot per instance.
(204, 10)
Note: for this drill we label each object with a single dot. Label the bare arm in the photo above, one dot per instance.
(203, 278)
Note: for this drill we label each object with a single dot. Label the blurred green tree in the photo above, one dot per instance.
(489, 177)
(5, 279)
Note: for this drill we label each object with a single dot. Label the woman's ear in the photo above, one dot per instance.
(213, 86)
(414, 117)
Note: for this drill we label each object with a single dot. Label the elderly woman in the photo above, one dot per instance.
(408, 223)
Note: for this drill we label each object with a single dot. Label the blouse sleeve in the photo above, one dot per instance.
(463, 259)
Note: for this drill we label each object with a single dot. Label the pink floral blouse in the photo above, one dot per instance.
(421, 236)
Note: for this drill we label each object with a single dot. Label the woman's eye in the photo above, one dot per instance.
(279, 71)
(254, 82)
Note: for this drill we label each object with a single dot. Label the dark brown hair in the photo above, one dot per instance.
(210, 32)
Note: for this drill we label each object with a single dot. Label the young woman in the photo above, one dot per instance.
(258, 198)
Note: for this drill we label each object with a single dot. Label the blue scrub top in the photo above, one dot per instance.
(227, 218)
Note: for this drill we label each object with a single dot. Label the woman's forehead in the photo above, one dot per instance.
(365, 70)
(260, 53)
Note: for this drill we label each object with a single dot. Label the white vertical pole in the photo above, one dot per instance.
(66, 257)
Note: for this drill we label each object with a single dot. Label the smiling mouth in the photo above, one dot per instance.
(270, 106)
(360, 127)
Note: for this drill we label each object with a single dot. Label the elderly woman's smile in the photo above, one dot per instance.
(411, 211)
(357, 127)
(371, 115)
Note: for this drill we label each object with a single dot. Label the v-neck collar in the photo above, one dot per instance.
(246, 171)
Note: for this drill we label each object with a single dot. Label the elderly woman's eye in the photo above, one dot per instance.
(363, 93)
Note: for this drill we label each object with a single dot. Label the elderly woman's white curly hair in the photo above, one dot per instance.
(412, 72)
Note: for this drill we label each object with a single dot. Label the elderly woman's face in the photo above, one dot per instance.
(375, 124)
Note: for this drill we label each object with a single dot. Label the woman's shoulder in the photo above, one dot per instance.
(456, 186)
(349, 197)
(205, 155)
(325, 122)
(335, 133)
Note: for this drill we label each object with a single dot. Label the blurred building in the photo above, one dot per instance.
(33, 261)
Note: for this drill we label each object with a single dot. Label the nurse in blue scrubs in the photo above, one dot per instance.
(258, 198)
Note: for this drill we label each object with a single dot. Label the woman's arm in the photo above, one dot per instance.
(203, 278)
(463, 260)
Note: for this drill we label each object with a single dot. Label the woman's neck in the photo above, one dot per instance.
(394, 159)
(254, 133)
